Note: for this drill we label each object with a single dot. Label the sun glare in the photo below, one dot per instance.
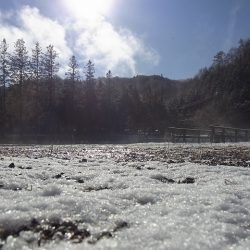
(89, 9)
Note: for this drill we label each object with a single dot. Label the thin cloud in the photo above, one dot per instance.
(117, 49)
(231, 26)
(31, 26)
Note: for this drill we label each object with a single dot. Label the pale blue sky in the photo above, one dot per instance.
(182, 35)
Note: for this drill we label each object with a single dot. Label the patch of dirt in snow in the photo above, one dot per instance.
(38, 233)
(228, 155)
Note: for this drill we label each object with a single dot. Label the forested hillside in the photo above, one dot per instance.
(35, 101)
(219, 94)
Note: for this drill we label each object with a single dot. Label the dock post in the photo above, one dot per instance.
(212, 137)
(236, 135)
(223, 135)
(184, 135)
(199, 136)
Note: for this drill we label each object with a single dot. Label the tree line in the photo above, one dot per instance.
(35, 101)
(219, 94)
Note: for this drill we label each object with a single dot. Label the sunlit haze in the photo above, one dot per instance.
(89, 9)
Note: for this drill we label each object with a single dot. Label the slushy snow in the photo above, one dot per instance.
(108, 190)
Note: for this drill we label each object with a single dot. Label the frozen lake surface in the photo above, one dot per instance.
(140, 196)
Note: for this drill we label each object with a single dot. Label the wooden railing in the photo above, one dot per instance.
(214, 134)
(228, 134)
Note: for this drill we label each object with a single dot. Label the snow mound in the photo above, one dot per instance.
(51, 190)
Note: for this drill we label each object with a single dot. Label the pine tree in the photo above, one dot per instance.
(50, 68)
(108, 87)
(36, 62)
(219, 59)
(19, 72)
(37, 74)
(50, 65)
(4, 74)
(109, 75)
(19, 63)
(90, 101)
(73, 76)
(89, 72)
(73, 71)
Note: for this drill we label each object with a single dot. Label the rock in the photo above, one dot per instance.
(90, 189)
(163, 179)
(34, 222)
(188, 180)
(150, 168)
(120, 225)
(80, 181)
(12, 165)
(58, 176)
(169, 180)
(83, 160)
(170, 161)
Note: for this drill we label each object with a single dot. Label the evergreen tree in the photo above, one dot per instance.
(50, 68)
(36, 62)
(19, 72)
(108, 87)
(70, 102)
(90, 72)
(4, 75)
(20, 63)
(37, 74)
(219, 59)
(50, 64)
(90, 105)
(109, 75)
(73, 70)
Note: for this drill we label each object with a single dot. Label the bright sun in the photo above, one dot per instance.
(89, 9)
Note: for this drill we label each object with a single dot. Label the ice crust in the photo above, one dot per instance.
(213, 213)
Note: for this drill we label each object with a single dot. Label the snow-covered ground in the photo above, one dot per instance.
(125, 196)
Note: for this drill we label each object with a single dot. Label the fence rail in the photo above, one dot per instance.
(214, 134)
